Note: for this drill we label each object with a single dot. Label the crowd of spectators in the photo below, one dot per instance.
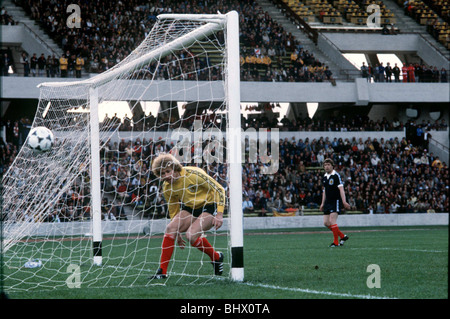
(302, 67)
(6, 64)
(377, 174)
(110, 30)
(303, 123)
(15, 134)
(380, 176)
(414, 72)
(5, 18)
(434, 14)
(264, 43)
(51, 66)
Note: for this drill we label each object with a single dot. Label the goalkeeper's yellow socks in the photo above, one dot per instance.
(167, 248)
(203, 245)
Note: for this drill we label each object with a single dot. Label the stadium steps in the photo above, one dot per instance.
(19, 15)
(408, 24)
(307, 43)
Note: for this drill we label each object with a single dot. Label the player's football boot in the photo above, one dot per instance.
(343, 240)
(334, 245)
(159, 275)
(218, 265)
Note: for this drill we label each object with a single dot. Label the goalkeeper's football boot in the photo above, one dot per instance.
(218, 265)
(159, 275)
(343, 240)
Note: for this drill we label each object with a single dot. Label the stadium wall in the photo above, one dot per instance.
(347, 221)
(157, 227)
(359, 92)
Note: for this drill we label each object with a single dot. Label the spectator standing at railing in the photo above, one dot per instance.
(365, 71)
(418, 72)
(388, 72)
(6, 63)
(435, 74)
(26, 64)
(55, 62)
(63, 65)
(381, 72)
(48, 66)
(411, 73)
(41, 62)
(376, 73)
(396, 72)
(33, 64)
(72, 63)
(443, 75)
(405, 73)
(78, 66)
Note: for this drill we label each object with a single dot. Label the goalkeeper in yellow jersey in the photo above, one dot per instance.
(196, 203)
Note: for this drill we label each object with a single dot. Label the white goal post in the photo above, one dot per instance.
(183, 59)
(234, 100)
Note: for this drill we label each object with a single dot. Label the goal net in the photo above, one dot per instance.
(89, 212)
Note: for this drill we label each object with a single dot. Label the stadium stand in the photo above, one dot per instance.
(262, 35)
(379, 175)
(433, 14)
(267, 46)
(339, 11)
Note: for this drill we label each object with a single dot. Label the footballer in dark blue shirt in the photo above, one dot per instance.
(333, 201)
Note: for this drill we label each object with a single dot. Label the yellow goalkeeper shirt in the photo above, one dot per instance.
(194, 189)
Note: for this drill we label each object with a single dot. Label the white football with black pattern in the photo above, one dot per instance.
(40, 139)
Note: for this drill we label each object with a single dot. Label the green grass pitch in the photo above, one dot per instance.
(411, 263)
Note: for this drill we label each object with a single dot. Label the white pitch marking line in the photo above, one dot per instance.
(403, 249)
(316, 292)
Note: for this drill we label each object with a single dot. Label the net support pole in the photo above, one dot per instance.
(234, 146)
(95, 178)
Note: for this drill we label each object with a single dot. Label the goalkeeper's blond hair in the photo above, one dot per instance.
(163, 161)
